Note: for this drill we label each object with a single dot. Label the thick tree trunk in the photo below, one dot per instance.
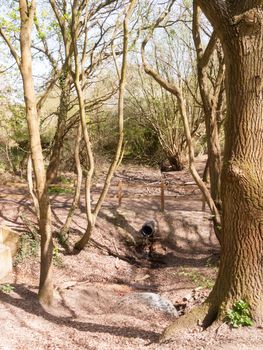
(176, 162)
(241, 271)
(46, 284)
(172, 163)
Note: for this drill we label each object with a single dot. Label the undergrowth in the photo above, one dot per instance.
(6, 288)
(59, 190)
(57, 258)
(30, 246)
(239, 315)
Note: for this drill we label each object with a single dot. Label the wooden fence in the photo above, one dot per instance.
(159, 185)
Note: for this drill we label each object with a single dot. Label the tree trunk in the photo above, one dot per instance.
(176, 162)
(92, 214)
(82, 243)
(76, 199)
(211, 102)
(46, 283)
(214, 157)
(241, 273)
(30, 183)
(54, 162)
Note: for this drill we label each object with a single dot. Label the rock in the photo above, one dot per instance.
(187, 297)
(137, 302)
(10, 239)
(9, 245)
(5, 261)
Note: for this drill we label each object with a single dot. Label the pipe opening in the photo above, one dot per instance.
(148, 229)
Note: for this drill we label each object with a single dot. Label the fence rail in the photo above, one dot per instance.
(161, 186)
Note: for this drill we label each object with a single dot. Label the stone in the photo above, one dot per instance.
(5, 260)
(10, 239)
(154, 302)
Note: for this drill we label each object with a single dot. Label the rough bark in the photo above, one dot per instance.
(240, 272)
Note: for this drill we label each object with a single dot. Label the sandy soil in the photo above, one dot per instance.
(89, 311)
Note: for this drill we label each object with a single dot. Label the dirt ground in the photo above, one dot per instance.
(94, 306)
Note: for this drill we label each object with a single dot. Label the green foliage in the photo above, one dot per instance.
(62, 238)
(6, 288)
(239, 315)
(142, 144)
(30, 245)
(2, 167)
(65, 180)
(56, 189)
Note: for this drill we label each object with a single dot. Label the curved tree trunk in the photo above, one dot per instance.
(46, 283)
(210, 105)
(54, 162)
(76, 199)
(92, 214)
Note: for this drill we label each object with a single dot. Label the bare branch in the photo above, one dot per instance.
(11, 47)
(122, 83)
(175, 90)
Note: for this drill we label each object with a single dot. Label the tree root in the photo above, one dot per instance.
(202, 316)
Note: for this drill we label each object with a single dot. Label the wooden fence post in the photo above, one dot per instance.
(203, 200)
(120, 193)
(162, 196)
(203, 203)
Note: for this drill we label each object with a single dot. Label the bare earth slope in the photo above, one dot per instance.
(97, 298)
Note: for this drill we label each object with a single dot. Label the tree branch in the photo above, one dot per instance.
(175, 90)
(11, 48)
